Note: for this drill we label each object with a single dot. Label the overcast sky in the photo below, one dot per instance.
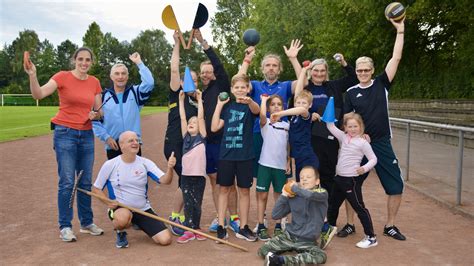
(58, 20)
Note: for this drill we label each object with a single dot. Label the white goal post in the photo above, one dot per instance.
(18, 99)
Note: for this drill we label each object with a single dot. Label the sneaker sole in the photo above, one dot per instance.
(185, 241)
(331, 235)
(68, 240)
(117, 246)
(200, 237)
(369, 246)
(244, 237)
(86, 231)
(385, 234)
(264, 240)
(171, 228)
(225, 237)
(345, 234)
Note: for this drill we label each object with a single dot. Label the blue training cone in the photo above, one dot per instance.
(188, 81)
(329, 114)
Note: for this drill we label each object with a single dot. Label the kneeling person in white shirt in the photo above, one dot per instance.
(126, 179)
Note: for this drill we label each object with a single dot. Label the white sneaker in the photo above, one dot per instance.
(92, 229)
(367, 242)
(67, 235)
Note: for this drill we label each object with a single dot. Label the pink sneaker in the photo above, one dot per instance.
(186, 237)
(200, 237)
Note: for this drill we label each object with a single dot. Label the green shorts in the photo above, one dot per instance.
(267, 175)
(387, 167)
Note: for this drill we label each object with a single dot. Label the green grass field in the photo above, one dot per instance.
(17, 122)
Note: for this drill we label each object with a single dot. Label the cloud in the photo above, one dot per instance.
(60, 20)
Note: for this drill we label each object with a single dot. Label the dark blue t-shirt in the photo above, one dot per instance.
(371, 103)
(320, 98)
(282, 88)
(237, 141)
(189, 142)
(300, 137)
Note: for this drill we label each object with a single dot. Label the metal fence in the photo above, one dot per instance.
(461, 131)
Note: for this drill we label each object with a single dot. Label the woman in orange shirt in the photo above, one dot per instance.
(79, 93)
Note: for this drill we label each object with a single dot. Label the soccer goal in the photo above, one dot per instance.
(19, 99)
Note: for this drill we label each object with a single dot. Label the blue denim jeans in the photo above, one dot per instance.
(74, 152)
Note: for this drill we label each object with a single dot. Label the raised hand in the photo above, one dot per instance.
(275, 117)
(198, 36)
(28, 66)
(250, 52)
(171, 160)
(295, 47)
(399, 25)
(181, 96)
(135, 58)
(315, 116)
(176, 37)
(244, 100)
(198, 95)
(264, 98)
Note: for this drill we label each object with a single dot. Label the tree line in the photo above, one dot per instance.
(437, 63)
(154, 49)
(437, 58)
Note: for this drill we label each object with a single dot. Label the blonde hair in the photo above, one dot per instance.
(240, 77)
(306, 95)
(365, 60)
(357, 118)
(274, 56)
(316, 172)
(207, 62)
(320, 61)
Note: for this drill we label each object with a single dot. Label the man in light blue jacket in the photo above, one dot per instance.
(122, 105)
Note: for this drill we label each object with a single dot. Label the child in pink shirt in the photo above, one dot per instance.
(348, 174)
(193, 181)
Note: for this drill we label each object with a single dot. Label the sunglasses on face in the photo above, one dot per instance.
(367, 70)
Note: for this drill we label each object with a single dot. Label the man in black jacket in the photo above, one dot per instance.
(214, 80)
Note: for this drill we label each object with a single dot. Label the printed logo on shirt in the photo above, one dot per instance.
(320, 96)
(359, 95)
(235, 141)
(294, 119)
(138, 172)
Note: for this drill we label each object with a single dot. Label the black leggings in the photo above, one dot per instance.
(193, 192)
(350, 188)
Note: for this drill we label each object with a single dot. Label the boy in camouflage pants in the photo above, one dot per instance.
(307, 202)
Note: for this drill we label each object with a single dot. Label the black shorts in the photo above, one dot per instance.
(212, 157)
(229, 170)
(148, 225)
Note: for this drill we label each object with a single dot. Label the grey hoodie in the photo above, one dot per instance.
(308, 209)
